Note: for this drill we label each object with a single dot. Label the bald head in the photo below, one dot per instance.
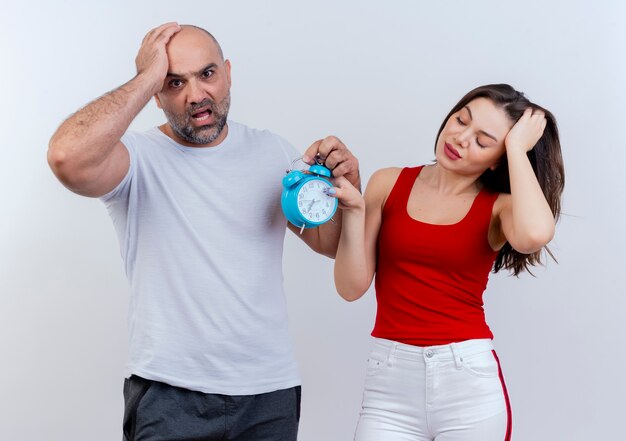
(196, 35)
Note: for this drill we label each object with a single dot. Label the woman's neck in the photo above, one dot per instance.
(447, 182)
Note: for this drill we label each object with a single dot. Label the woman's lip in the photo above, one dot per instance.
(451, 152)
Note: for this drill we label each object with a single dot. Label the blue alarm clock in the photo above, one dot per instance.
(305, 201)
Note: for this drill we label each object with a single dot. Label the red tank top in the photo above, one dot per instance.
(430, 278)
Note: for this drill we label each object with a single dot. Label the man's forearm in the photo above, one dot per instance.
(329, 234)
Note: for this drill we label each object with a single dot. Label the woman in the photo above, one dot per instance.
(431, 235)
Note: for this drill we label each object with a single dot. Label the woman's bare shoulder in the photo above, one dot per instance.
(381, 182)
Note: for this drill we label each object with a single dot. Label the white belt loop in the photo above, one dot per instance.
(392, 353)
(456, 353)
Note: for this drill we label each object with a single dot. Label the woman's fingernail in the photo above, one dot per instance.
(331, 191)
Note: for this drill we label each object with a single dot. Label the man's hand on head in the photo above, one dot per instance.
(151, 60)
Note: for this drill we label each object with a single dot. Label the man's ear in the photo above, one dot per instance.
(227, 67)
(158, 101)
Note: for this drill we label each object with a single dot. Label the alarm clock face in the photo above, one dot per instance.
(313, 203)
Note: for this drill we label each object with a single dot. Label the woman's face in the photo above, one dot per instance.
(473, 138)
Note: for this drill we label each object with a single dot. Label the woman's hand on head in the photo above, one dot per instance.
(349, 197)
(525, 133)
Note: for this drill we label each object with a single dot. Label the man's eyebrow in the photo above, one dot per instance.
(177, 75)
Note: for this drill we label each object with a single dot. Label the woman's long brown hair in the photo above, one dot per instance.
(545, 159)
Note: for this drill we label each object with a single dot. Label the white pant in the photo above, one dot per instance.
(444, 393)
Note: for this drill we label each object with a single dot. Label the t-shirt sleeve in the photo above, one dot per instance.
(290, 152)
(122, 190)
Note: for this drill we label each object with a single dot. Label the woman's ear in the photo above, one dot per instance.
(497, 164)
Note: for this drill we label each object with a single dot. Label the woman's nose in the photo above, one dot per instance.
(463, 138)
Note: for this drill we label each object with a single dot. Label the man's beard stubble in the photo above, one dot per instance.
(180, 122)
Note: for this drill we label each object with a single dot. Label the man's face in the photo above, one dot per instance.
(196, 93)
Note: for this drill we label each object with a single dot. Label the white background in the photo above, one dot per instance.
(381, 76)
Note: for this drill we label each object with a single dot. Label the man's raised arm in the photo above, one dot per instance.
(85, 153)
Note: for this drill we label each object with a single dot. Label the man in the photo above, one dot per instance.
(196, 206)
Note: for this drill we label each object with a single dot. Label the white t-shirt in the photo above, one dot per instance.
(201, 233)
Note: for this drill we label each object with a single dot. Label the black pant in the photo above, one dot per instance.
(156, 411)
